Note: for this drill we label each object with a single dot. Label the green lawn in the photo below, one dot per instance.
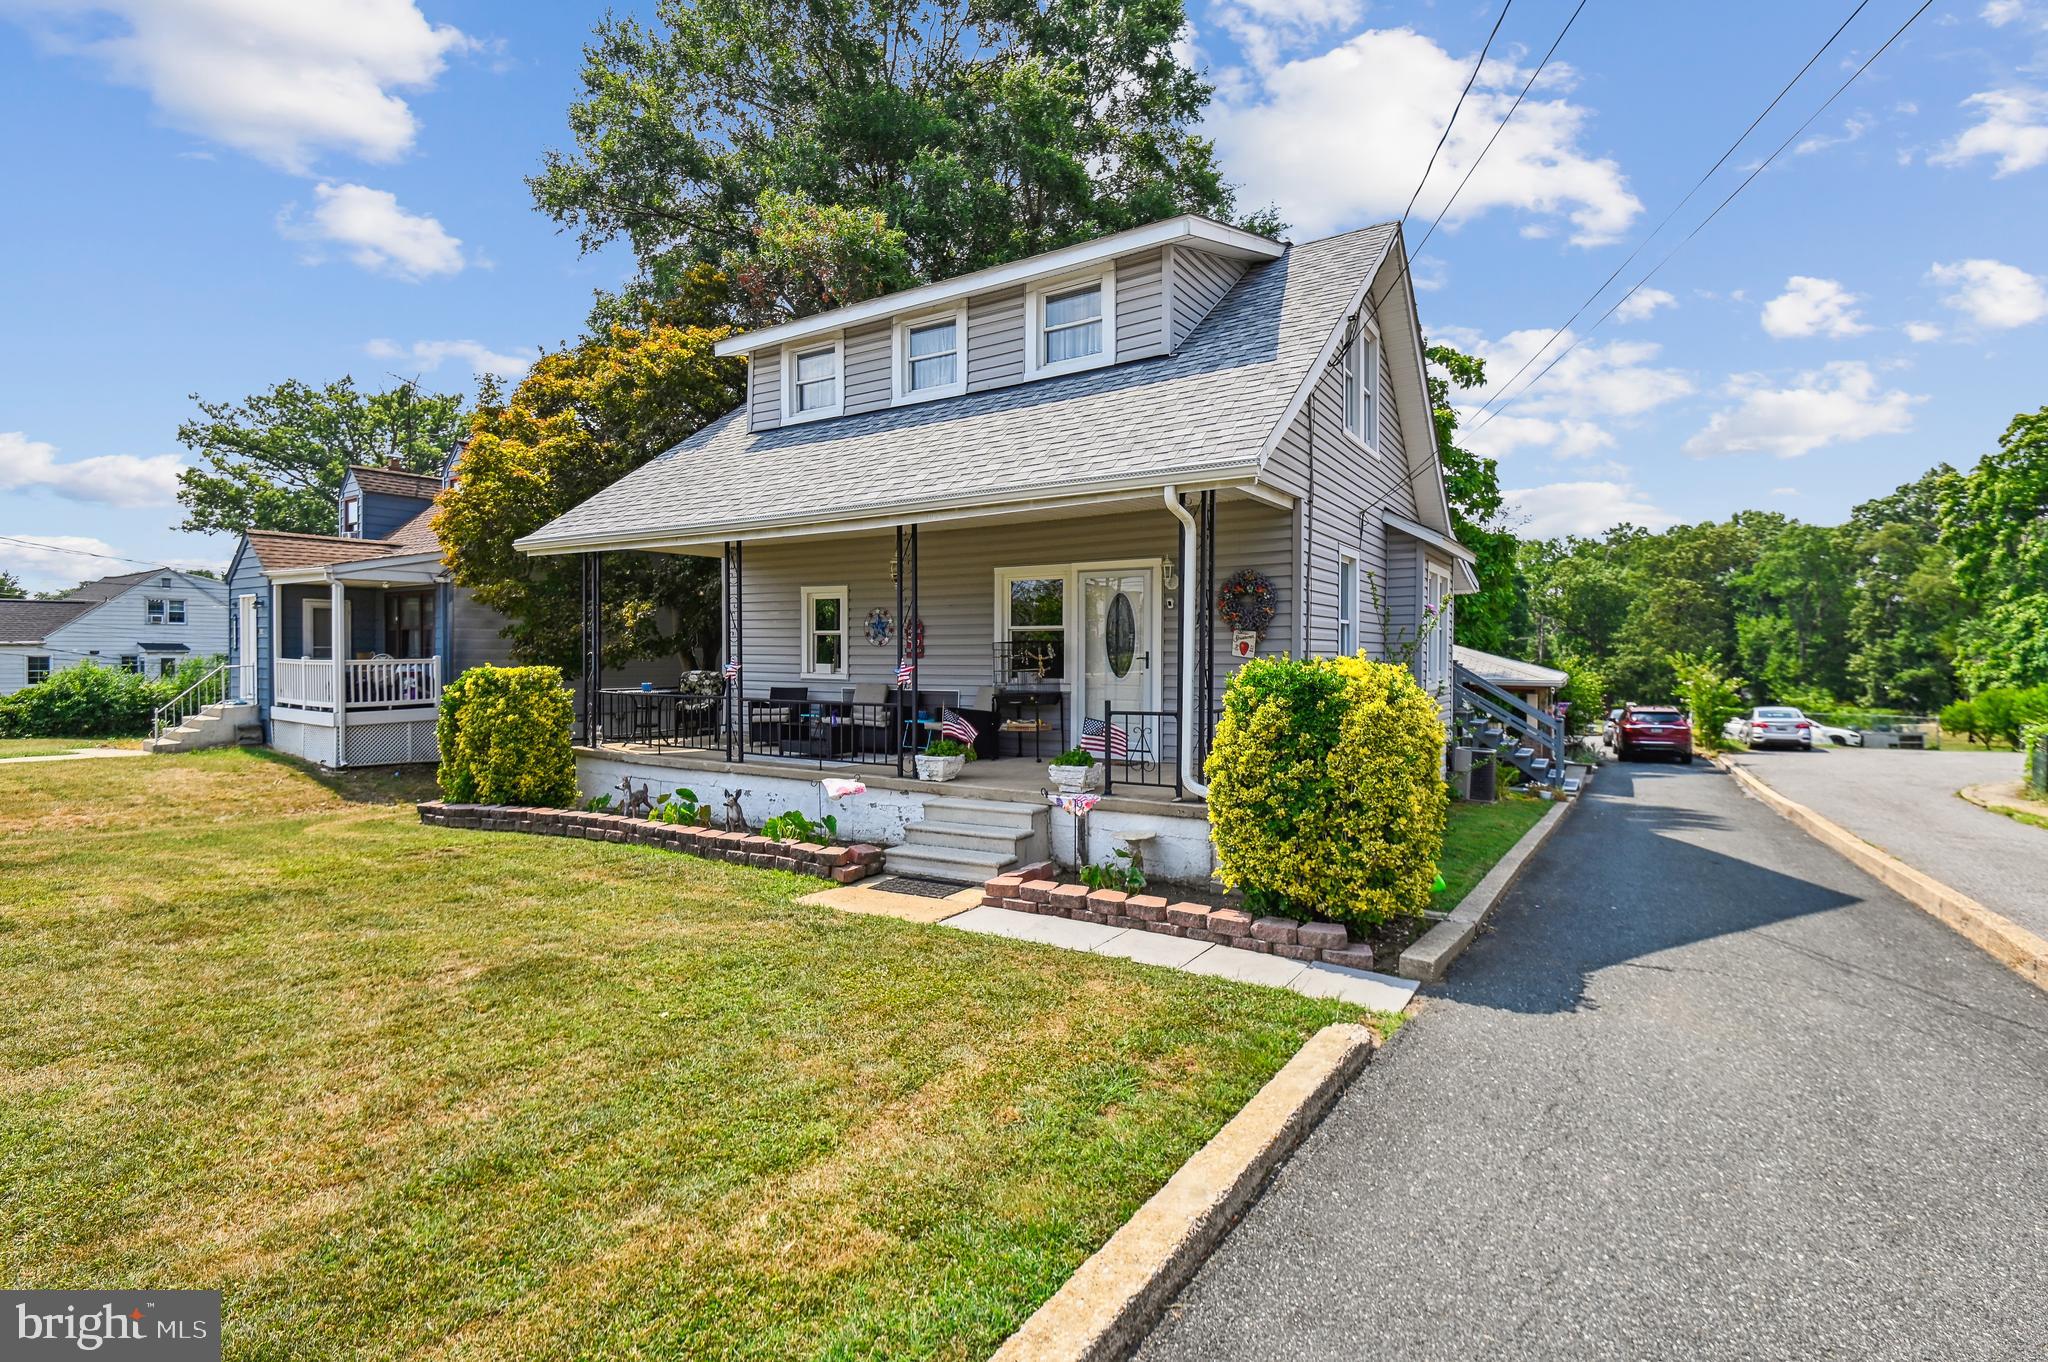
(53, 747)
(404, 1091)
(1479, 835)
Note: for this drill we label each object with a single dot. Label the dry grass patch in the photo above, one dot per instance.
(410, 1091)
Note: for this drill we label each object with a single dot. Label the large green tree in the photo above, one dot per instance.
(11, 587)
(1905, 608)
(980, 132)
(1486, 618)
(276, 459)
(1995, 520)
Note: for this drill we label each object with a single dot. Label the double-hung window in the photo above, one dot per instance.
(811, 381)
(131, 662)
(351, 517)
(175, 610)
(38, 670)
(1070, 324)
(824, 632)
(162, 610)
(1347, 605)
(1362, 385)
(1436, 650)
(931, 358)
(1031, 618)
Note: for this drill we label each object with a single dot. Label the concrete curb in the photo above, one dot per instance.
(1109, 1303)
(2010, 796)
(1429, 959)
(1998, 936)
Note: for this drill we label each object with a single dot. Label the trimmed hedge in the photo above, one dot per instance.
(504, 738)
(93, 701)
(1326, 789)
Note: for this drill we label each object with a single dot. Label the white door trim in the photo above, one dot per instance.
(1154, 612)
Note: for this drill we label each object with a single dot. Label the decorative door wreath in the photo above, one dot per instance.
(1246, 601)
(880, 627)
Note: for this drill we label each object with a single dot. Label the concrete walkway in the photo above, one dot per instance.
(1381, 992)
(1704, 1092)
(1907, 803)
(82, 754)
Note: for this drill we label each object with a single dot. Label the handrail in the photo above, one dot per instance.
(1513, 712)
(177, 706)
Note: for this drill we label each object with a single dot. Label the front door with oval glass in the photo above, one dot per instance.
(1120, 644)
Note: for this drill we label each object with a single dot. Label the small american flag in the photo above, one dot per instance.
(1096, 735)
(905, 672)
(955, 725)
(732, 670)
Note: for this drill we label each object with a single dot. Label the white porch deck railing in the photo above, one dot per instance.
(380, 683)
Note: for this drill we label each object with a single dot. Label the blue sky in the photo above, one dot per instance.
(213, 195)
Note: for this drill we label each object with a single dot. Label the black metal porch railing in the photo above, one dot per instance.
(827, 731)
(1139, 747)
(667, 719)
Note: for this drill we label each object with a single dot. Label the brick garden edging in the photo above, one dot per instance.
(840, 864)
(1034, 891)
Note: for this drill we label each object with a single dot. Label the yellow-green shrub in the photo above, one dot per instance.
(1326, 790)
(504, 738)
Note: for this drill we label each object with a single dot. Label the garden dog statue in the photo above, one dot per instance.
(735, 821)
(636, 804)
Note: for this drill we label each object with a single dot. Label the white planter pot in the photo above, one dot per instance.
(1076, 779)
(939, 768)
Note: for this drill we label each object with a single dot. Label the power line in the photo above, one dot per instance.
(1665, 221)
(1747, 180)
(83, 553)
(1445, 136)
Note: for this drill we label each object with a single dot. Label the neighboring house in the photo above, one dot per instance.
(147, 622)
(405, 628)
(1531, 683)
(1052, 468)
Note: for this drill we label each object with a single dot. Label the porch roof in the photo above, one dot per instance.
(1200, 416)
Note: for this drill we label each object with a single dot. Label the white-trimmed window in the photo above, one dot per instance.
(1070, 324)
(931, 355)
(38, 670)
(316, 635)
(824, 632)
(811, 387)
(1347, 605)
(175, 610)
(131, 662)
(166, 666)
(162, 610)
(1031, 619)
(1436, 651)
(1362, 385)
(351, 517)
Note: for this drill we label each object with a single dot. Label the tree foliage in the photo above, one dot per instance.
(11, 587)
(1994, 519)
(503, 735)
(276, 459)
(580, 420)
(980, 132)
(1488, 617)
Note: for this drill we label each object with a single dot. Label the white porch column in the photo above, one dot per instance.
(338, 641)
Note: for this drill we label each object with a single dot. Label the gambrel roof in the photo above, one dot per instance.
(1207, 413)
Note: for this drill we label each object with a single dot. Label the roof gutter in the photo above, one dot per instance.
(1187, 640)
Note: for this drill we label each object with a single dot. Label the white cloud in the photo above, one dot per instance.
(1642, 304)
(280, 81)
(1837, 404)
(1263, 29)
(1852, 130)
(1992, 293)
(2014, 129)
(108, 479)
(373, 231)
(1568, 413)
(1922, 332)
(1585, 508)
(1812, 307)
(1999, 13)
(64, 562)
(1784, 491)
(429, 355)
(1341, 137)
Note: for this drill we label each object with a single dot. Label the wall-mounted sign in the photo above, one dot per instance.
(1244, 642)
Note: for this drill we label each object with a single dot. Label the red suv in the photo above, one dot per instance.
(1643, 729)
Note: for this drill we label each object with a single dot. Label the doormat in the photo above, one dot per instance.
(917, 887)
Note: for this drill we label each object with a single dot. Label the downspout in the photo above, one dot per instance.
(1187, 641)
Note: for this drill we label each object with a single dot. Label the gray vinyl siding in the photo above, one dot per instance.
(473, 634)
(869, 352)
(120, 626)
(957, 600)
(764, 386)
(995, 339)
(1200, 279)
(1141, 325)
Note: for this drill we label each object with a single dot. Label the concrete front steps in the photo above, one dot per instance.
(970, 841)
(227, 725)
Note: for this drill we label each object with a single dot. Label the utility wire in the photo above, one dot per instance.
(1675, 208)
(1502, 400)
(1445, 136)
(83, 553)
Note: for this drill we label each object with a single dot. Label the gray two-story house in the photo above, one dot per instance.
(148, 622)
(1060, 499)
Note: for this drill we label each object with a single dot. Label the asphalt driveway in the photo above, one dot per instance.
(1906, 803)
(1706, 1091)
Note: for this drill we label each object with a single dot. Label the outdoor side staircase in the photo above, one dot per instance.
(968, 841)
(1516, 732)
(222, 725)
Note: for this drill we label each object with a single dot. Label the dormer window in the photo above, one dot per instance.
(1070, 324)
(810, 381)
(351, 517)
(930, 355)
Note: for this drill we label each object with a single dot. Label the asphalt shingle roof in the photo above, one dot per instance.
(417, 535)
(277, 549)
(106, 588)
(392, 482)
(1510, 670)
(31, 621)
(1209, 407)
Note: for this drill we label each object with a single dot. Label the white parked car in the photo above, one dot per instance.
(1840, 737)
(1771, 726)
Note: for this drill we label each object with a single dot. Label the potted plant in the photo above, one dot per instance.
(1074, 771)
(942, 759)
